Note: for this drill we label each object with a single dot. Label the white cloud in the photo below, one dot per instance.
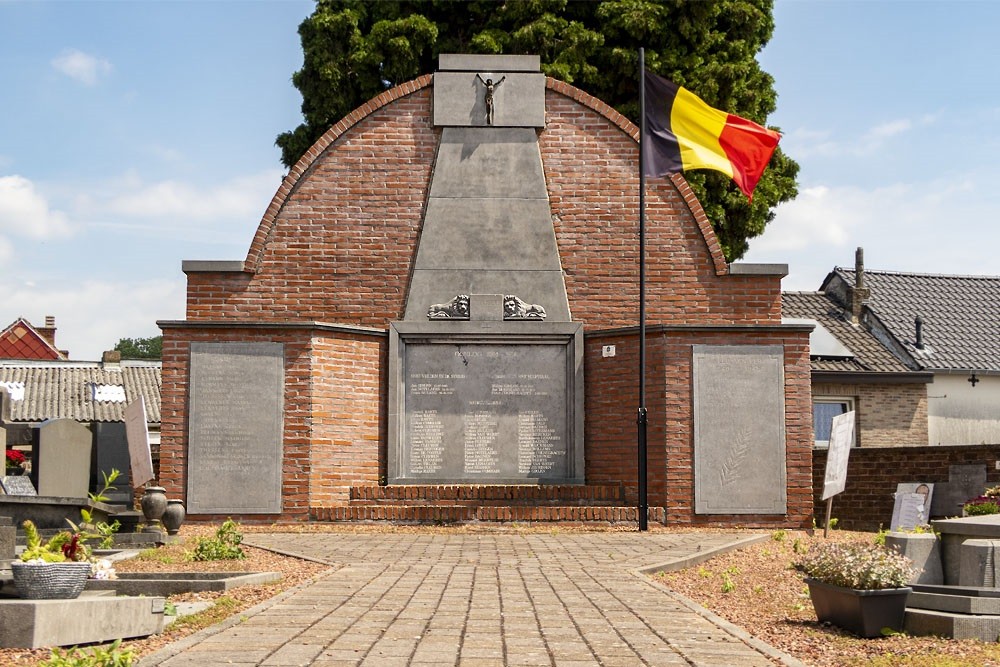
(243, 198)
(805, 142)
(82, 67)
(92, 316)
(25, 212)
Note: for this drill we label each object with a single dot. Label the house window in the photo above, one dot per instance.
(824, 410)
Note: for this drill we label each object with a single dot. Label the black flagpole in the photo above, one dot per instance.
(641, 420)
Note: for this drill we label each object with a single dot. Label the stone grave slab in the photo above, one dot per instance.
(235, 428)
(61, 458)
(17, 485)
(111, 453)
(965, 481)
(85, 620)
(739, 429)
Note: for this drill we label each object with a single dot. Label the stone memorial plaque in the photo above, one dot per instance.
(965, 482)
(17, 485)
(485, 412)
(739, 429)
(60, 457)
(235, 428)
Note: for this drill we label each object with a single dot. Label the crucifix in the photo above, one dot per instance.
(491, 87)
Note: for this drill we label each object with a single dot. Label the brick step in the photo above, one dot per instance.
(478, 495)
(450, 513)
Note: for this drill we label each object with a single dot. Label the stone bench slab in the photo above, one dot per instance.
(924, 622)
(164, 584)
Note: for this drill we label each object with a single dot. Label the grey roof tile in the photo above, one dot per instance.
(961, 316)
(54, 389)
(869, 354)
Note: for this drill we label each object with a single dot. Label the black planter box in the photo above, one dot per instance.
(865, 613)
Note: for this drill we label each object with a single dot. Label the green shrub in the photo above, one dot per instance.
(224, 546)
(859, 565)
(99, 656)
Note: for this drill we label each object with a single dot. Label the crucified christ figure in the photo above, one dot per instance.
(490, 89)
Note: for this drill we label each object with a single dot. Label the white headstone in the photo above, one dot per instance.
(912, 506)
(138, 442)
(841, 437)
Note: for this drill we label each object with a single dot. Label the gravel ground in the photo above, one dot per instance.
(755, 588)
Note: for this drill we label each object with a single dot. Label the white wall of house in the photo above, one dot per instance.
(960, 414)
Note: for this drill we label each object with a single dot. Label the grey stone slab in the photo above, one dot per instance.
(61, 458)
(741, 269)
(163, 584)
(978, 563)
(87, 619)
(212, 266)
(460, 98)
(965, 481)
(8, 536)
(488, 234)
(485, 163)
(739, 429)
(956, 604)
(502, 406)
(17, 485)
(235, 431)
(954, 626)
(474, 62)
(111, 453)
(924, 550)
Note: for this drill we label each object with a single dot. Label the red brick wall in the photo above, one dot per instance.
(336, 246)
(872, 475)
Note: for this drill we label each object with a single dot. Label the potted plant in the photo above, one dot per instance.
(14, 462)
(57, 568)
(858, 586)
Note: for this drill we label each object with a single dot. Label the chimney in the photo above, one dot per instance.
(860, 293)
(111, 358)
(48, 332)
(918, 324)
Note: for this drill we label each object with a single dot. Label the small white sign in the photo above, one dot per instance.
(841, 437)
(608, 351)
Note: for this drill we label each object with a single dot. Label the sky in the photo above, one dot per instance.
(136, 135)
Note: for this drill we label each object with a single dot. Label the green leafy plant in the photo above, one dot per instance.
(224, 546)
(728, 585)
(109, 480)
(112, 655)
(52, 551)
(858, 565)
(779, 535)
(981, 506)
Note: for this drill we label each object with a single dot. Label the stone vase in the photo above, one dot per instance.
(173, 516)
(154, 504)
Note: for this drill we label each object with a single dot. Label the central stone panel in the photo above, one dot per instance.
(485, 404)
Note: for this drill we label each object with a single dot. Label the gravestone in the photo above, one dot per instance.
(911, 507)
(60, 455)
(739, 429)
(235, 428)
(965, 482)
(111, 453)
(137, 435)
(17, 485)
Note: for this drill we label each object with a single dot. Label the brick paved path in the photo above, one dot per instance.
(475, 600)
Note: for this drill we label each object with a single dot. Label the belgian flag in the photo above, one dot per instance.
(684, 133)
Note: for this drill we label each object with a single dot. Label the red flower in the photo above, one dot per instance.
(14, 457)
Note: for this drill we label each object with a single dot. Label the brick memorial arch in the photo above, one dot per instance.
(437, 320)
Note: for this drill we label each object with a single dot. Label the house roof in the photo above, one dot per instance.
(961, 316)
(81, 390)
(869, 355)
(21, 340)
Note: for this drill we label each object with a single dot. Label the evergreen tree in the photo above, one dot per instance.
(354, 49)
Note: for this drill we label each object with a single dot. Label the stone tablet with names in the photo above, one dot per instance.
(17, 485)
(235, 429)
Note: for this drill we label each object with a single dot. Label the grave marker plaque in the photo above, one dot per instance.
(235, 429)
(739, 429)
(17, 485)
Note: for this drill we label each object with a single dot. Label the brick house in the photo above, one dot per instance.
(331, 266)
(942, 325)
(22, 340)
